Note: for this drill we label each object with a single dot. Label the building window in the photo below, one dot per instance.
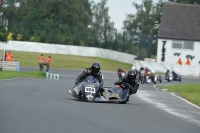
(183, 45)
(188, 45)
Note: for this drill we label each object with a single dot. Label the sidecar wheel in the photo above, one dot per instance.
(122, 102)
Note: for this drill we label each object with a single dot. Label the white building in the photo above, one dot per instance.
(179, 33)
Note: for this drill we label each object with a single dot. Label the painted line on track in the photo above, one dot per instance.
(9, 79)
(185, 100)
(148, 98)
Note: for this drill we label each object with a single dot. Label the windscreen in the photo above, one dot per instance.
(90, 79)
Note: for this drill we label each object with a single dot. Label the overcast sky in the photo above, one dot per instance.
(118, 10)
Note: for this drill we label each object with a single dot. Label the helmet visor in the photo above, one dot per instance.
(96, 69)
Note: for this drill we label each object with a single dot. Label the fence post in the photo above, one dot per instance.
(115, 42)
(123, 41)
(131, 42)
(105, 38)
(149, 46)
(17, 66)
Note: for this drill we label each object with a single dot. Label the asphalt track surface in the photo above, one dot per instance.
(29, 105)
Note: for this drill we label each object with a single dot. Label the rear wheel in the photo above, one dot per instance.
(180, 79)
(160, 79)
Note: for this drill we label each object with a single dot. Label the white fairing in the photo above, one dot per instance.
(153, 71)
(155, 79)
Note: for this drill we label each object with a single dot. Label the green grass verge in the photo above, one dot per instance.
(59, 61)
(191, 92)
(68, 61)
(11, 74)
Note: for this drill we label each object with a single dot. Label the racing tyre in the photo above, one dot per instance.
(123, 102)
(180, 79)
(160, 79)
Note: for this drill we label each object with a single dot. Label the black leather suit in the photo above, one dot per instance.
(88, 72)
(126, 83)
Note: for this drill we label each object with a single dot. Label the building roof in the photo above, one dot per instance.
(180, 21)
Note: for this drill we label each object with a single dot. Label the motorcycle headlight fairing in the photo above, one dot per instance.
(170, 78)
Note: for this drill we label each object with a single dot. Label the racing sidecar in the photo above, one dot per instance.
(170, 77)
(88, 90)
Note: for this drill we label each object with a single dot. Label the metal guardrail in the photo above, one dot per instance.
(9, 66)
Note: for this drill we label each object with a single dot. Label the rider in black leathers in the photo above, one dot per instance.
(166, 73)
(94, 70)
(175, 76)
(130, 81)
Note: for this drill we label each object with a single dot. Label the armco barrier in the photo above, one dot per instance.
(10, 66)
(51, 76)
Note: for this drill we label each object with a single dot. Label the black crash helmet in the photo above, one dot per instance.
(95, 67)
(141, 68)
(131, 75)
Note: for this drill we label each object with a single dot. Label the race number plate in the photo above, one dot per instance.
(90, 89)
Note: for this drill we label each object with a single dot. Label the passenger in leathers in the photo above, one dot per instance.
(94, 70)
(130, 81)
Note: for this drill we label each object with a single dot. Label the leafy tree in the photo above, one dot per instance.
(142, 24)
(3, 33)
(186, 1)
(101, 26)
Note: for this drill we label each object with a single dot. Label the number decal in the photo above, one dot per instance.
(90, 89)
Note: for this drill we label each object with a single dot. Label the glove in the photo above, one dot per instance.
(117, 83)
(101, 86)
(76, 82)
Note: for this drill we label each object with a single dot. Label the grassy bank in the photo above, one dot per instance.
(59, 61)
(191, 92)
(11, 74)
(68, 61)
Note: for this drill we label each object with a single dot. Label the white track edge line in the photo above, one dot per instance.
(180, 98)
(186, 101)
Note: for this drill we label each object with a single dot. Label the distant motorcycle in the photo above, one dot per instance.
(143, 77)
(151, 77)
(121, 73)
(170, 77)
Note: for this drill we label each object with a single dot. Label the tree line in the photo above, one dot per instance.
(82, 23)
